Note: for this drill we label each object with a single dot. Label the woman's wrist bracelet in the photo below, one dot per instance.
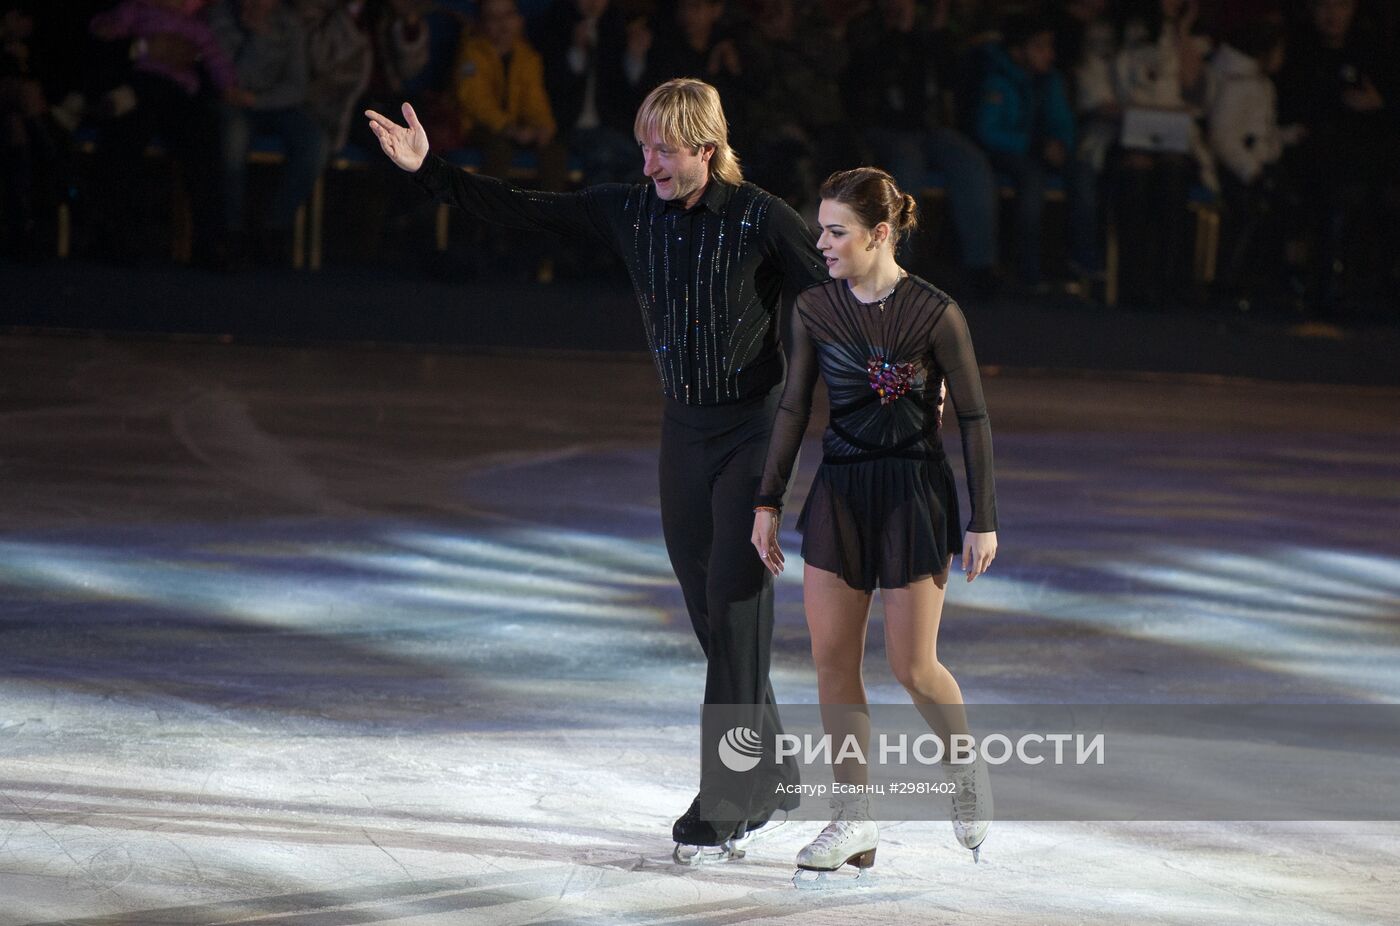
(758, 508)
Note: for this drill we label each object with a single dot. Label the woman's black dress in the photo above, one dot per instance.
(883, 509)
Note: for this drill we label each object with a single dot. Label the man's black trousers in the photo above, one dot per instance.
(711, 462)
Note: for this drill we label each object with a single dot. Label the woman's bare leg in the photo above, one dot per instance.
(912, 618)
(837, 616)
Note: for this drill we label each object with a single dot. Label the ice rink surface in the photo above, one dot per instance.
(307, 636)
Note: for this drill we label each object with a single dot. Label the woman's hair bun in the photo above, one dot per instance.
(908, 213)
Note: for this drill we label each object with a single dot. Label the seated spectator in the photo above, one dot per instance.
(1086, 48)
(501, 96)
(592, 63)
(1341, 84)
(265, 40)
(1161, 67)
(364, 54)
(899, 107)
(1023, 119)
(361, 55)
(145, 20)
(177, 64)
(1243, 127)
(1245, 136)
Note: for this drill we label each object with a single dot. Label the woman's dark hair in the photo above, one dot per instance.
(874, 197)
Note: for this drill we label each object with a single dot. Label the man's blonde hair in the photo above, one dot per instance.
(687, 112)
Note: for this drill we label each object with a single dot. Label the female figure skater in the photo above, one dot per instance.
(883, 509)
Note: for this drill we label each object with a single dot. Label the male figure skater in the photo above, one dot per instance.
(712, 259)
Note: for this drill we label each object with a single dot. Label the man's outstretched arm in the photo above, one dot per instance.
(591, 212)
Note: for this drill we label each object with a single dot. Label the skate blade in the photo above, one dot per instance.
(693, 856)
(774, 824)
(976, 850)
(840, 880)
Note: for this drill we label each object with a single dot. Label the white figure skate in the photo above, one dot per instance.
(849, 839)
(972, 804)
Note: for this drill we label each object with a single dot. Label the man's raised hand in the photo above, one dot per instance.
(406, 146)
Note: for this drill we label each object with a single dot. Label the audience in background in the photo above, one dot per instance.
(799, 130)
(1247, 141)
(592, 64)
(901, 109)
(362, 55)
(1060, 94)
(178, 73)
(1086, 49)
(1160, 68)
(265, 40)
(365, 54)
(1023, 118)
(501, 96)
(1340, 84)
(695, 42)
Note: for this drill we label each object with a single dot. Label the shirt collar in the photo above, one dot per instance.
(715, 198)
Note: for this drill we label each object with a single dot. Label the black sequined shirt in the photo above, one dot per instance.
(710, 280)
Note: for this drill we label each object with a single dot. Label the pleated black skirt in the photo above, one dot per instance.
(882, 523)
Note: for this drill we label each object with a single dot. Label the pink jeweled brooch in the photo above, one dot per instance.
(890, 380)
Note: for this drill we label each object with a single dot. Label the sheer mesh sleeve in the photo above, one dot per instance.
(952, 351)
(794, 411)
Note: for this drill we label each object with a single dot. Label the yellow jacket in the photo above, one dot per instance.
(490, 97)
